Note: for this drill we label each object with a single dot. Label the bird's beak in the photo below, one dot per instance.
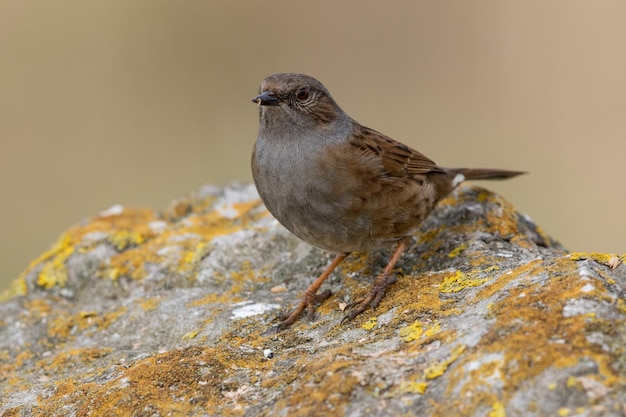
(266, 98)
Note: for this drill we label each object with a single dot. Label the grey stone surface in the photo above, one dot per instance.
(137, 312)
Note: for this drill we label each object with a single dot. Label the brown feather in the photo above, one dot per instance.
(397, 159)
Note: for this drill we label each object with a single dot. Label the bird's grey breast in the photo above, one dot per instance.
(284, 172)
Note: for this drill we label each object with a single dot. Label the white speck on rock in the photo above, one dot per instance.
(587, 288)
(158, 226)
(585, 272)
(252, 310)
(112, 211)
(577, 307)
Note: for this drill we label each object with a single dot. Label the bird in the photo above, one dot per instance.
(341, 186)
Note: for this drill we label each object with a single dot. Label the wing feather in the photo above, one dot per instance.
(398, 159)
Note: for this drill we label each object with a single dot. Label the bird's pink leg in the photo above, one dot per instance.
(311, 297)
(378, 287)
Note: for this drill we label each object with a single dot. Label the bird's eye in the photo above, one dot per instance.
(303, 93)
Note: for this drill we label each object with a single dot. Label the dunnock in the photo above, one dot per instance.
(339, 185)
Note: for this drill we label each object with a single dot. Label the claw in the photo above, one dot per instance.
(378, 288)
(372, 300)
(311, 298)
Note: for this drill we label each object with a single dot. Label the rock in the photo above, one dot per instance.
(135, 312)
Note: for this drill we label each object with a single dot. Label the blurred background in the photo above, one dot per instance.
(138, 102)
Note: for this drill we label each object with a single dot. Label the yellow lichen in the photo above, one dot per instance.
(195, 255)
(415, 331)
(124, 239)
(458, 250)
(533, 313)
(411, 332)
(438, 369)
(54, 271)
(190, 335)
(370, 323)
(16, 288)
(432, 330)
(459, 281)
(523, 338)
(571, 382)
(435, 370)
(412, 387)
(497, 410)
(139, 243)
(60, 246)
(603, 258)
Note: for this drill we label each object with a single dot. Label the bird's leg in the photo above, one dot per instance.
(311, 297)
(378, 287)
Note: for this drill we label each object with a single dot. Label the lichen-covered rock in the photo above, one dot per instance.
(135, 312)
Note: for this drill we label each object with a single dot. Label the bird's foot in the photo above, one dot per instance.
(311, 297)
(309, 302)
(372, 299)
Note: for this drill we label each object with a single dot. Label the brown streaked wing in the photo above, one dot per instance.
(398, 159)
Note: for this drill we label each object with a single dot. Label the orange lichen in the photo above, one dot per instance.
(173, 382)
(59, 362)
(211, 298)
(38, 307)
(418, 294)
(525, 330)
(358, 263)
(243, 277)
(61, 326)
(497, 284)
(531, 318)
(138, 243)
(150, 304)
(22, 357)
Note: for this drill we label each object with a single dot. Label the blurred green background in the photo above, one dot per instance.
(138, 102)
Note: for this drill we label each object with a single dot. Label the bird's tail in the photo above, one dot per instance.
(462, 174)
(484, 173)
